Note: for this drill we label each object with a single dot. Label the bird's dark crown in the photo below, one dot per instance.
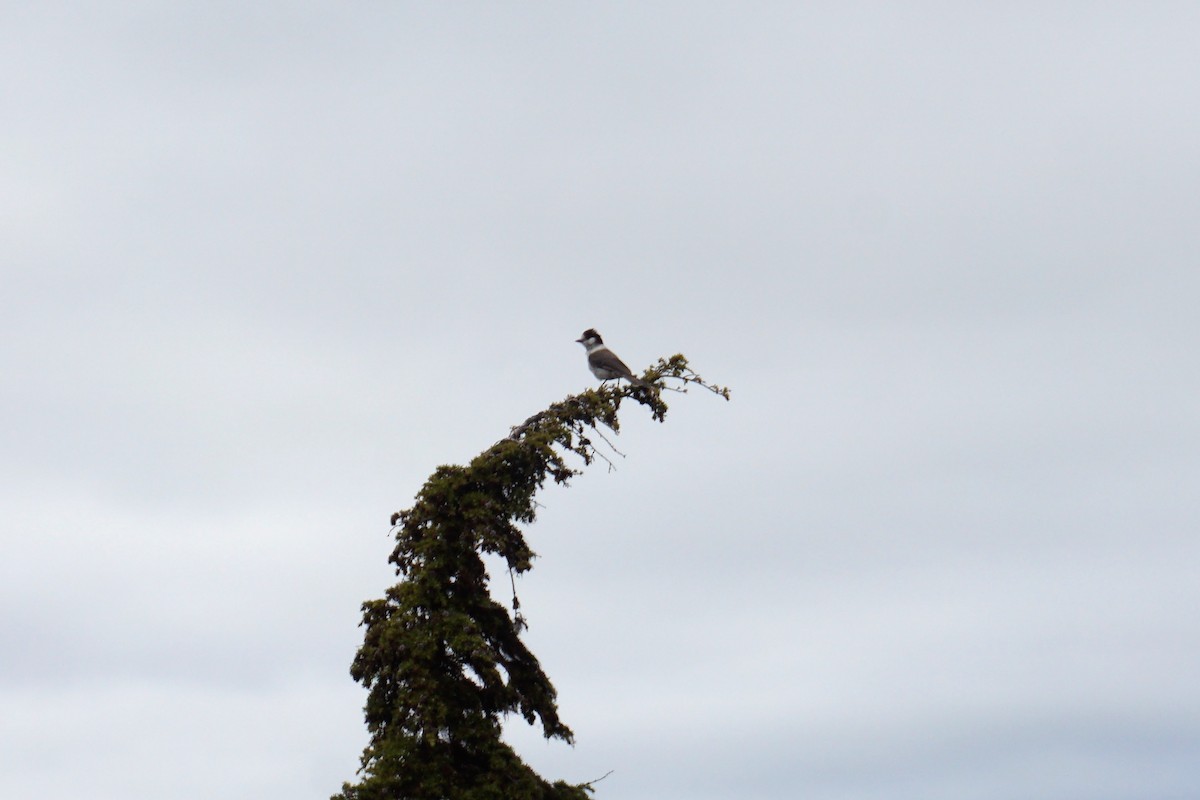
(590, 333)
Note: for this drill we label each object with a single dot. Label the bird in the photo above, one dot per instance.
(603, 362)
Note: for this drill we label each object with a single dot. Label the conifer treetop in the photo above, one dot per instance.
(442, 661)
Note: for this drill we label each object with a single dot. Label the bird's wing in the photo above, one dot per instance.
(608, 360)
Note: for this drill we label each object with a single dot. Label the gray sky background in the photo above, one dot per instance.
(265, 266)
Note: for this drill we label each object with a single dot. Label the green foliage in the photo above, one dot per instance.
(442, 661)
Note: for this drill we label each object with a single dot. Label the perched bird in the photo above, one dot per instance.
(603, 362)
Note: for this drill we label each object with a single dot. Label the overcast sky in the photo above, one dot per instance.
(267, 265)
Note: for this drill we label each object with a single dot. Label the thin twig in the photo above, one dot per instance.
(597, 454)
(597, 780)
(607, 442)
